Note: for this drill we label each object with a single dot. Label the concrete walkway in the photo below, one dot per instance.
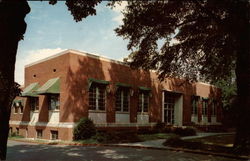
(158, 143)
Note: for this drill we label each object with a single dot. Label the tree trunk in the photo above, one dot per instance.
(242, 139)
(12, 28)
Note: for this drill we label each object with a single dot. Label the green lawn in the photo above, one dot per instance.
(146, 137)
(222, 140)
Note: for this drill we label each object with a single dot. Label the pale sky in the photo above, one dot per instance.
(51, 29)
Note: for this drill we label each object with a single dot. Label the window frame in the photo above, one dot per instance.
(214, 108)
(195, 105)
(205, 107)
(21, 108)
(56, 99)
(17, 130)
(34, 103)
(37, 133)
(141, 102)
(56, 133)
(97, 97)
(121, 92)
(16, 111)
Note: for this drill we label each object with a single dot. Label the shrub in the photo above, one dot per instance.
(161, 127)
(188, 131)
(84, 129)
(116, 137)
(174, 141)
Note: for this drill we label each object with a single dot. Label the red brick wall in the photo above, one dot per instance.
(74, 71)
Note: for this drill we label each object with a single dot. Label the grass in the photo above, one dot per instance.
(87, 141)
(15, 137)
(226, 140)
(218, 143)
(147, 137)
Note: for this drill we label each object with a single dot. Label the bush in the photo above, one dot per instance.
(188, 131)
(116, 137)
(84, 129)
(174, 141)
(161, 127)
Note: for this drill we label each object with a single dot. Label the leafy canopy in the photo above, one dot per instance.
(206, 33)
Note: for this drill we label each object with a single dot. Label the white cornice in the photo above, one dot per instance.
(82, 53)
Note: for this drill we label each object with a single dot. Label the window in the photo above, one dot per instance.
(15, 108)
(169, 104)
(54, 102)
(21, 108)
(204, 106)
(143, 101)
(10, 131)
(122, 99)
(54, 135)
(34, 103)
(195, 104)
(39, 133)
(17, 131)
(214, 108)
(97, 97)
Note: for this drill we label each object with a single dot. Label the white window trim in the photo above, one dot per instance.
(122, 103)
(142, 103)
(97, 93)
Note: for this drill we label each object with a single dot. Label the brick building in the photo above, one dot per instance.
(61, 89)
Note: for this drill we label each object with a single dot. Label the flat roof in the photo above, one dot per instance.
(82, 53)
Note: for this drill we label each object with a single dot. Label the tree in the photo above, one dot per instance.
(212, 39)
(12, 27)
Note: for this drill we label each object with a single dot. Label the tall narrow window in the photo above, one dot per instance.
(54, 102)
(34, 103)
(214, 108)
(195, 103)
(97, 97)
(54, 135)
(15, 109)
(169, 104)
(17, 131)
(21, 107)
(39, 133)
(122, 99)
(204, 106)
(143, 101)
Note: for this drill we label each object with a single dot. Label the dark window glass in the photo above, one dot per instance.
(39, 134)
(195, 103)
(54, 102)
(34, 103)
(204, 107)
(54, 135)
(143, 101)
(97, 97)
(122, 99)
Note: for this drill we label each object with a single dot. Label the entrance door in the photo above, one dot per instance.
(169, 105)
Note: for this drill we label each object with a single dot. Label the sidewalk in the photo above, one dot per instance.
(158, 143)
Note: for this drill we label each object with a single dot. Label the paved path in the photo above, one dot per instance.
(158, 143)
(18, 151)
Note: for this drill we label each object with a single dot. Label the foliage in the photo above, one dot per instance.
(146, 137)
(84, 129)
(80, 9)
(116, 137)
(205, 44)
(201, 40)
(188, 131)
(174, 140)
(228, 87)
